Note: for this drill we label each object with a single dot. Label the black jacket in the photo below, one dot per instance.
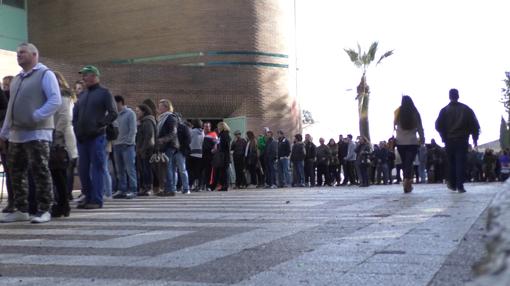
(271, 150)
(239, 147)
(94, 110)
(167, 134)
(283, 148)
(311, 152)
(457, 121)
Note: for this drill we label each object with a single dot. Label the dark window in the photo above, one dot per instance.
(14, 3)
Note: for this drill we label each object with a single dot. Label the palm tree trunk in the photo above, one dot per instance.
(363, 100)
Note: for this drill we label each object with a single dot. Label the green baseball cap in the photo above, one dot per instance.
(90, 69)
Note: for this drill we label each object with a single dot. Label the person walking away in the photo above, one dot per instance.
(455, 123)
(28, 125)
(407, 122)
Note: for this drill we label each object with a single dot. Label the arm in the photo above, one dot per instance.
(52, 92)
(111, 109)
(132, 124)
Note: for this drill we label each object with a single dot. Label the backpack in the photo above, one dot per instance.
(183, 133)
(112, 132)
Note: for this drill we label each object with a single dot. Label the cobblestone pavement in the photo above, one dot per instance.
(326, 236)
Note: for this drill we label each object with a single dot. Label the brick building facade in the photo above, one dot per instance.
(213, 59)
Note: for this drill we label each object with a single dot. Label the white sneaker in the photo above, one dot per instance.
(186, 192)
(41, 217)
(15, 216)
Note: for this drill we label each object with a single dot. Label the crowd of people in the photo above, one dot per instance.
(121, 152)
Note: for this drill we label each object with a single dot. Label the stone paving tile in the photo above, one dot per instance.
(320, 236)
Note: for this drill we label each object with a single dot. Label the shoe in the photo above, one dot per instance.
(119, 195)
(59, 211)
(9, 209)
(407, 185)
(80, 199)
(89, 206)
(461, 190)
(130, 195)
(41, 217)
(143, 193)
(166, 194)
(273, 187)
(15, 216)
(451, 188)
(186, 192)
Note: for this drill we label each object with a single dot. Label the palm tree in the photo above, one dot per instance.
(363, 61)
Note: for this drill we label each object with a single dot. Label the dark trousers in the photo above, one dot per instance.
(322, 171)
(239, 168)
(456, 150)
(363, 175)
(195, 172)
(408, 154)
(270, 173)
(350, 171)
(60, 192)
(254, 172)
(10, 194)
(310, 172)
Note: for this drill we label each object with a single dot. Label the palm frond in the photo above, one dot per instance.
(353, 56)
(387, 54)
(371, 51)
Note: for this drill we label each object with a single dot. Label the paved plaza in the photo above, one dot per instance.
(313, 236)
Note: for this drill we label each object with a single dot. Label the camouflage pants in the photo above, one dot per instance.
(30, 157)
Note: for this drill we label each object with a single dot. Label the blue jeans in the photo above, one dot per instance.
(125, 167)
(170, 171)
(270, 173)
(283, 172)
(456, 150)
(299, 168)
(180, 165)
(107, 178)
(92, 168)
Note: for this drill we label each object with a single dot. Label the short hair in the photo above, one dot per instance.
(8, 77)
(298, 137)
(168, 104)
(197, 123)
(280, 132)
(349, 136)
(454, 94)
(119, 98)
(30, 47)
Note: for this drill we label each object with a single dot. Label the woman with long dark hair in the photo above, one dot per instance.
(407, 122)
